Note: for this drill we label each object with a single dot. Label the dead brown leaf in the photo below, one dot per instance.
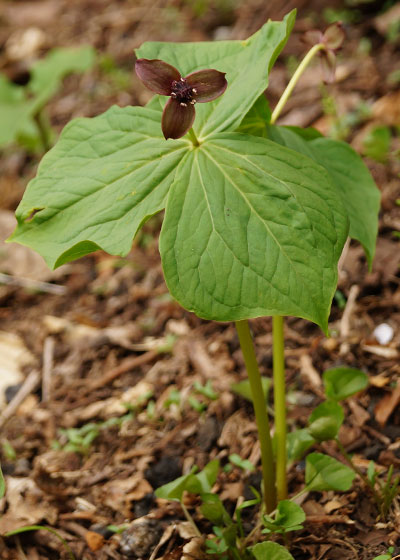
(386, 405)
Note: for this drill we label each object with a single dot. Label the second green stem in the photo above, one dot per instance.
(260, 410)
(280, 406)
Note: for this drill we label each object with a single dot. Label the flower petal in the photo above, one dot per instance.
(328, 60)
(156, 74)
(334, 36)
(176, 119)
(209, 84)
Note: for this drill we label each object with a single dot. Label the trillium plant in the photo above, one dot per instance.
(256, 215)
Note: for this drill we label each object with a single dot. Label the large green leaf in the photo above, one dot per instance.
(246, 63)
(357, 187)
(350, 176)
(252, 229)
(96, 187)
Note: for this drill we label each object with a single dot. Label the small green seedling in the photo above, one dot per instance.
(174, 397)
(22, 108)
(288, 517)
(8, 450)
(244, 464)
(387, 556)
(79, 440)
(206, 390)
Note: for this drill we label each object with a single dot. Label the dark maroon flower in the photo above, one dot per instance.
(184, 93)
(332, 41)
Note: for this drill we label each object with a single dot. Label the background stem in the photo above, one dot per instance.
(43, 131)
(260, 410)
(280, 406)
(294, 79)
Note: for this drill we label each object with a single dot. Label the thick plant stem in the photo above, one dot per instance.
(193, 137)
(260, 410)
(280, 406)
(294, 79)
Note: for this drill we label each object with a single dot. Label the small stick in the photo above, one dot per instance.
(351, 300)
(126, 365)
(30, 384)
(30, 284)
(48, 355)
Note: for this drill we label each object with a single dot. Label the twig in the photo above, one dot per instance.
(30, 384)
(30, 284)
(343, 257)
(347, 313)
(125, 366)
(48, 354)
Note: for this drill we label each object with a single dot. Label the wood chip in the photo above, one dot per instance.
(386, 405)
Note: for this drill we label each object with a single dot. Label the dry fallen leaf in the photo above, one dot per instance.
(27, 505)
(94, 540)
(13, 357)
(386, 405)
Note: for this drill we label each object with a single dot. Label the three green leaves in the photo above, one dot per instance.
(252, 227)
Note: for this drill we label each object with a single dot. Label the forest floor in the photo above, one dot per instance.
(103, 331)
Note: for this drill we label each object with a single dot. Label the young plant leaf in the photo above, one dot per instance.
(252, 229)
(325, 421)
(174, 490)
(203, 481)
(243, 388)
(246, 64)
(298, 442)
(271, 551)
(244, 464)
(213, 509)
(343, 382)
(325, 473)
(289, 517)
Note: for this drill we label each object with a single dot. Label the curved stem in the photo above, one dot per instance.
(260, 410)
(280, 406)
(294, 79)
(190, 519)
(193, 137)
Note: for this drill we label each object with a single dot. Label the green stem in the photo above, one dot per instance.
(190, 519)
(294, 79)
(280, 406)
(43, 131)
(260, 410)
(193, 137)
